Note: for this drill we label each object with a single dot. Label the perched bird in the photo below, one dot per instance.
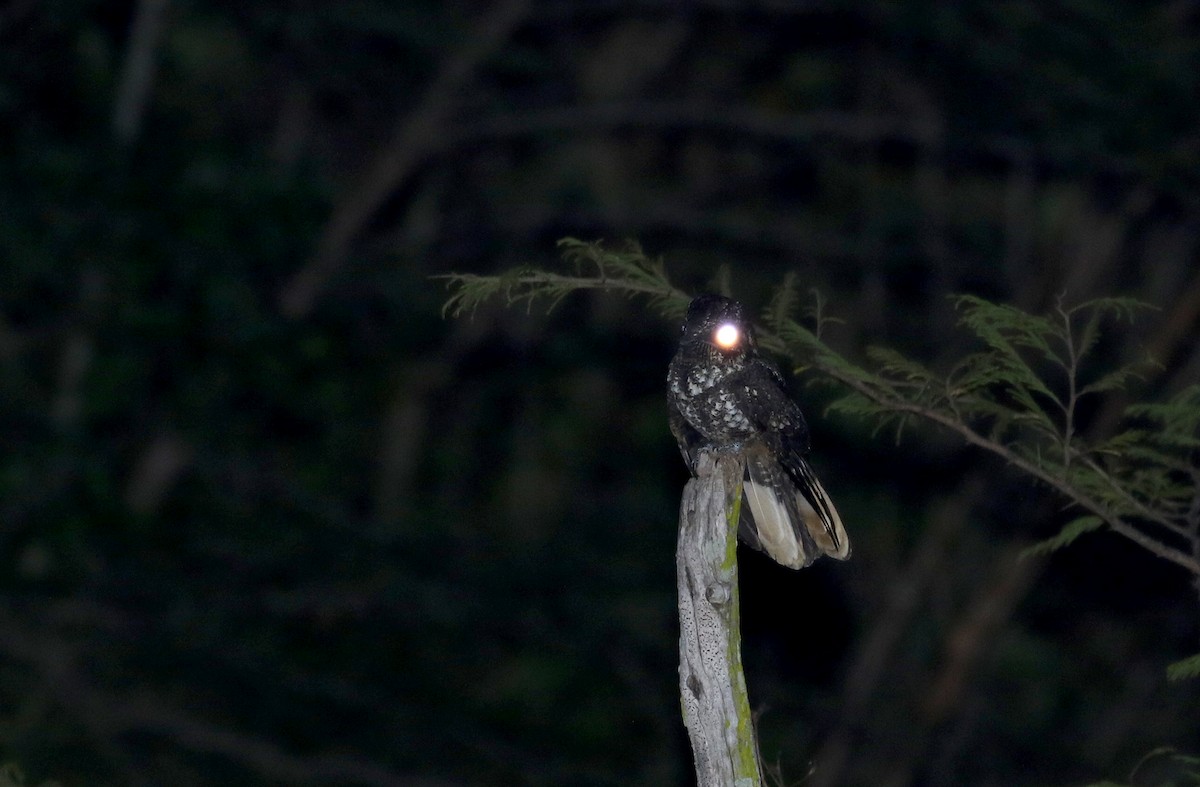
(725, 397)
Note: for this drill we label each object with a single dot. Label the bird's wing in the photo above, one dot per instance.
(785, 436)
(690, 441)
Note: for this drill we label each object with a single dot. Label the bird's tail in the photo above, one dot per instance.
(790, 516)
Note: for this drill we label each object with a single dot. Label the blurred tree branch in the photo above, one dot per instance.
(416, 133)
(137, 76)
(877, 651)
(109, 716)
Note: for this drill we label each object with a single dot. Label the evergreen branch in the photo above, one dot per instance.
(1143, 510)
(1072, 367)
(1071, 531)
(1184, 669)
(597, 268)
(994, 399)
(472, 290)
(890, 394)
(894, 404)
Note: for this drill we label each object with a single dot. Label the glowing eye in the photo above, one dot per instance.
(727, 336)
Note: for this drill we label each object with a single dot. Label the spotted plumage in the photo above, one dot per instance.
(724, 396)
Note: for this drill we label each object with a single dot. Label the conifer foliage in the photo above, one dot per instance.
(1019, 394)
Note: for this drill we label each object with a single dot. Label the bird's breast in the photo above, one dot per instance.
(707, 399)
(725, 418)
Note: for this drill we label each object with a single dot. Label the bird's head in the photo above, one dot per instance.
(720, 323)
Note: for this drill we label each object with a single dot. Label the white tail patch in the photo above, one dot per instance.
(774, 526)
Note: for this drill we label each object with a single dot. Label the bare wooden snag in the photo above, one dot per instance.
(716, 709)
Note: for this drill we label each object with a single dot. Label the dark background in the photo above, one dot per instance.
(267, 518)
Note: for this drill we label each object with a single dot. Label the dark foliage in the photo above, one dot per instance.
(266, 518)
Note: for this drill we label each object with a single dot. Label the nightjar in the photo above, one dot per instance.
(725, 397)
